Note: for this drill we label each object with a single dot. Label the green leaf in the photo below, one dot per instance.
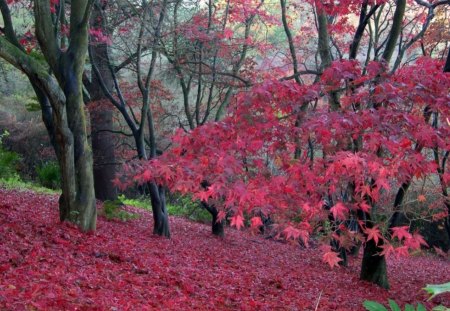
(394, 306)
(440, 308)
(373, 306)
(409, 307)
(434, 289)
(421, 307)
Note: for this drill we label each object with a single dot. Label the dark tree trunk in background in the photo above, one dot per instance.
(444, 189)
(103, 153)
(447, 63)
(102, 116)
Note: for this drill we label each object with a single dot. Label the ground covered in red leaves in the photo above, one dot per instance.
(45, 265)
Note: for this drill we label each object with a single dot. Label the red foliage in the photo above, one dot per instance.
(45, 265)
(248, 158)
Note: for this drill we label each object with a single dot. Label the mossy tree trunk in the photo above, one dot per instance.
(77, 202)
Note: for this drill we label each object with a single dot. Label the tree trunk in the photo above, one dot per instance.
(77, 202)
(217, 226)
(447, 220)
(102, 117)
(160, 215)
(81, 198)
(373, 267)
(325, 54)
(103, 151)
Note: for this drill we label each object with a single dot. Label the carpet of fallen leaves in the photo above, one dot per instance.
(46, 265)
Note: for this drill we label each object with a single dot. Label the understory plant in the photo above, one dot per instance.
(433, 290)
(8, 159)
(113, 211)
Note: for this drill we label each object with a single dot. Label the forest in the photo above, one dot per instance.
(225, 155)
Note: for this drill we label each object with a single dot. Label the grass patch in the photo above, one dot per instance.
(184, 207)
(139, 202)
(15, 183)
(113, 211)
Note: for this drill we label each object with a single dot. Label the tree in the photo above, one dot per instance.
(146, 39)
(357, 139)
(101, 114)
(58, 77)
(203, 57)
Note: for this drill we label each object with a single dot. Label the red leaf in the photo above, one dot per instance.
(373, 233)
(401, 233)
(339, 211)
(237, 221)
(332, 259)
(256, 222)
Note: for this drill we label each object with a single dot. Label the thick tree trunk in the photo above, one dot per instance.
(102, 117)
(395, 31)
(77, 202)
(447, 63)
(373, 267)
(103, 150)
(78, 170)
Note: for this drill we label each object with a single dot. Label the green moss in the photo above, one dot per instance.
(112, 211)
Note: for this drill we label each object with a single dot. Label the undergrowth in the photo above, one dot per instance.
(16, 183)
(113, 211)
(182, 207)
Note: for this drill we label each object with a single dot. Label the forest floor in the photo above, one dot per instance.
(46, 265)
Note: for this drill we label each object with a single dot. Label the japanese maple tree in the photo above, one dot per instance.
(364, 130)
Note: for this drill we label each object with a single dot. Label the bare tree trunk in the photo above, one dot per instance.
(325, 54)
(102, 116)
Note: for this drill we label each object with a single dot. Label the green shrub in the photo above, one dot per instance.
(184, 206)
(113, 211)
(8, 160)
(49, 175)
